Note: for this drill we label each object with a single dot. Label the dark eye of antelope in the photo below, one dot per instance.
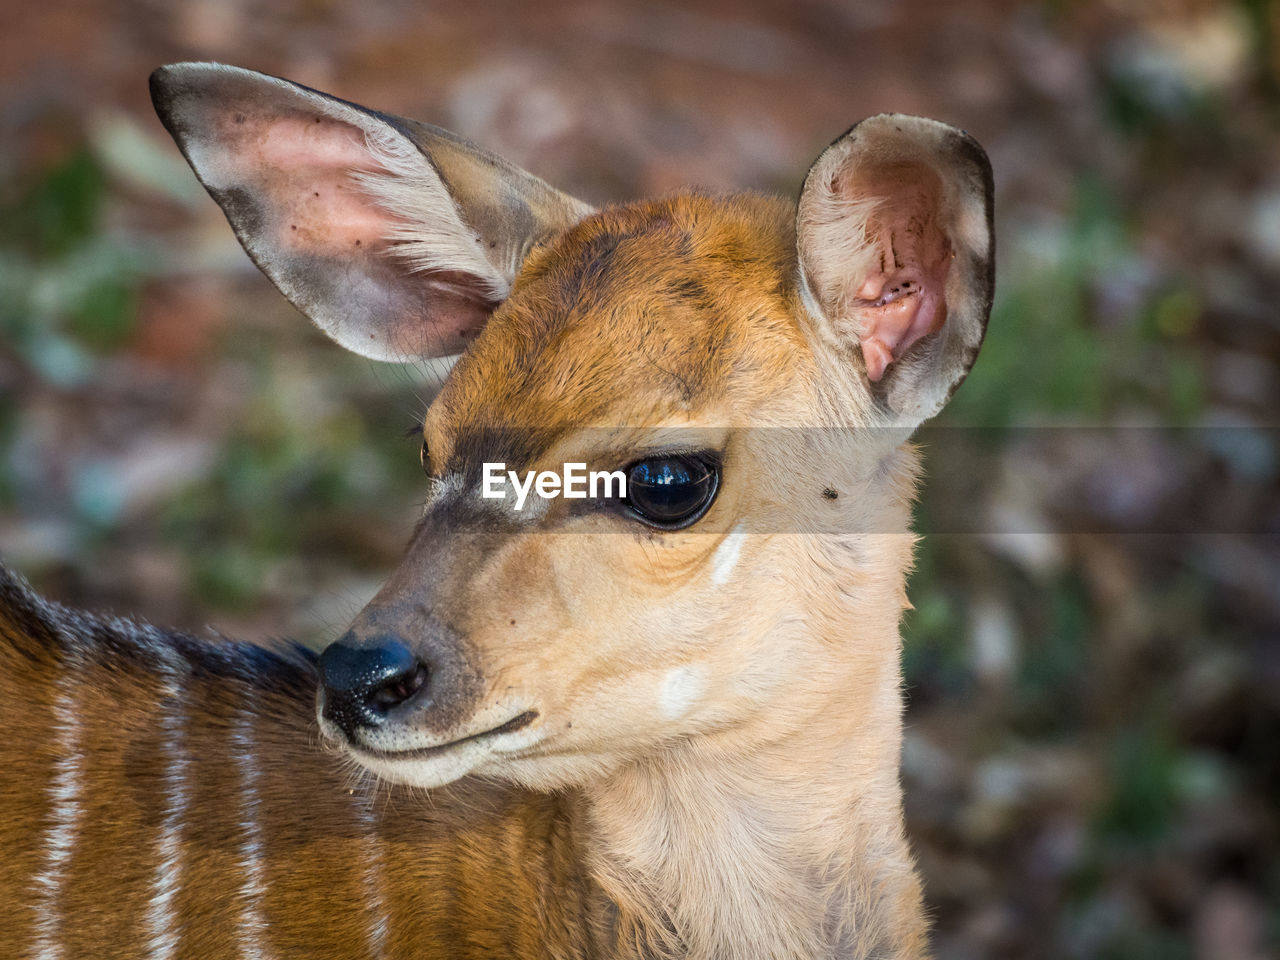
(674, 491)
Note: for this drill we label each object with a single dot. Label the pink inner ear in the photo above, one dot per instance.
(902, 297)
(304, 166)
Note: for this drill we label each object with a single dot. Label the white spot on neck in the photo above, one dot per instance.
(680, 690)
(726, 557)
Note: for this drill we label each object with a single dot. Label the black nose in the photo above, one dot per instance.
(362, 683)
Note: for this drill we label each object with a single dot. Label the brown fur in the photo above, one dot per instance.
(482, 872)
(639, 743)
(487, 871)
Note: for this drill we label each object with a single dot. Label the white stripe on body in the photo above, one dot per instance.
(161, 919)
(253, 924)
(64, 824)
(375, 906)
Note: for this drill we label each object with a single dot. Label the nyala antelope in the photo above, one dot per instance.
(653, 726)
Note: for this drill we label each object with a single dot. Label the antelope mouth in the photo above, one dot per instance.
(518, 722)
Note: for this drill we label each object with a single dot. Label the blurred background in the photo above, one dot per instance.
(1092, 763)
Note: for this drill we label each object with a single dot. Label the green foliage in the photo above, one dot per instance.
(58, 211)
(1144, 780)
(67, 289)
(1050, 695)
(290, 478)
(935, 654)
(1079, 330)
(1143, 943)
(103, 317)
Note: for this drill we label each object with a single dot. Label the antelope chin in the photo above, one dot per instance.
(409, 757)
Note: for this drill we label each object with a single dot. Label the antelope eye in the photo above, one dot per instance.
(672, 492)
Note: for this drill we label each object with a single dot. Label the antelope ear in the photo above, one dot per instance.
(395, 237)
(896, 250)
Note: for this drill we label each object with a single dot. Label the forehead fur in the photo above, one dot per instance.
(652, 313)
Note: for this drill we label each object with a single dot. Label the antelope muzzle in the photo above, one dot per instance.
(397, 682)
(369, 685)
